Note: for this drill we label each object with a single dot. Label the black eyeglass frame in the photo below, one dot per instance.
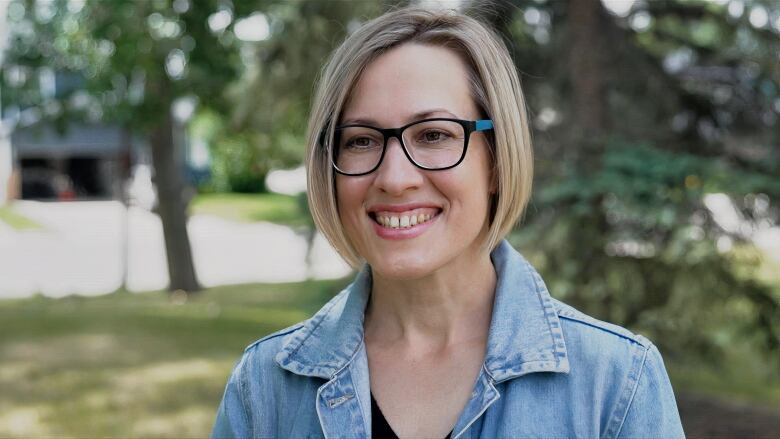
(469, 126)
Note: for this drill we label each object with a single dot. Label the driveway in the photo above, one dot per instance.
(87, 247)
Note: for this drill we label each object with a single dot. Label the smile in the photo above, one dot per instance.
(406, 219)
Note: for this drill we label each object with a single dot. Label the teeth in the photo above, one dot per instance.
(402, 222)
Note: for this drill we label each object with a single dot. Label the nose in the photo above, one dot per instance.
(397, 174)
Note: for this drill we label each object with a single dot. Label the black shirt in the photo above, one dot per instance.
(380, 429)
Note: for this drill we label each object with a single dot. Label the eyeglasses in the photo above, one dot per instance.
(430, 144)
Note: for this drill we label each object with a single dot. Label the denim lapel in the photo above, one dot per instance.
(343, 403)
(525, 332)
(525, 335)
(330, 346)
(328, 341)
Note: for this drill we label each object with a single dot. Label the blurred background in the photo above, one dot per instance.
(153, 219)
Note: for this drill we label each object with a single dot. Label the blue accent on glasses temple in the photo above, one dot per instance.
(483, 125)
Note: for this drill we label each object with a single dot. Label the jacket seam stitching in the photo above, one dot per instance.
(277, 334)
(526, 364)
(351, 357)
(633, 338)
(357, 394)
(242, 391)
(630, 401)
(547, 315)
(332, 381)
(484, 409)
(317, 404)
(490, 375)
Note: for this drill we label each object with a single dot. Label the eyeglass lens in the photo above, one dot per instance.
(432, 145)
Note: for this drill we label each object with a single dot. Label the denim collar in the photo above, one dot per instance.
(525, 333)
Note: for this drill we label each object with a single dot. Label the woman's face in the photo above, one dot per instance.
(406, 84)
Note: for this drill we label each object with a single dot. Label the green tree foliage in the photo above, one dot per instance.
(267, 125)
(136, 58)
(124, 50)
(638, 115)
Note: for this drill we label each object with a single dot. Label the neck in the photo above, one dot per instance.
(449, 307)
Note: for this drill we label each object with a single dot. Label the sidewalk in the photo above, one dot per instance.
(81, 250)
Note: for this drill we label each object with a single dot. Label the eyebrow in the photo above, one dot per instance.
(425, 114)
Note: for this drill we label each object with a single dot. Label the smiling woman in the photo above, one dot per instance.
(453, 199)
(419, 163)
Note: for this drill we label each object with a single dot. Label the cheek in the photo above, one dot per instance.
(350, 196)
(471, 189)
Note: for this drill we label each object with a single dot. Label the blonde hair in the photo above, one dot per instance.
(495, 89)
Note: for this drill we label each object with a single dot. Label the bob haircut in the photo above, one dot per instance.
(495, 89)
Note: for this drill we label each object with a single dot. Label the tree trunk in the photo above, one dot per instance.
(172, 204)
(586, 66)
(587, 70)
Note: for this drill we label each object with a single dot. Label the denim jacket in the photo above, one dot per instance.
(549, 372)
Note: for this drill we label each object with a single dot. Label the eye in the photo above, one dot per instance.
(434, 136)
(360, 142)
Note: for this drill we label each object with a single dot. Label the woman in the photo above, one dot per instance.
(419, 163)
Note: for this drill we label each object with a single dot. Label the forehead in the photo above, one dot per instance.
(409, 80)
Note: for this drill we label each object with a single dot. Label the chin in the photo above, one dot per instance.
(404, 268)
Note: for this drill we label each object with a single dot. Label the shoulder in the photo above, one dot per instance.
(272, 342)
(627, 367)
(257, 371)
(599, 347)
(258, 376)
(580, 324)
(260, 393)
(263, 352)
(238, 414)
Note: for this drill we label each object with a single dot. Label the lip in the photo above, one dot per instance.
(400, 207)
(407, 233)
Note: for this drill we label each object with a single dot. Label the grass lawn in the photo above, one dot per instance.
(140, 365)
(134, 365)
(275, 208)
(15, 220)
(737, 380)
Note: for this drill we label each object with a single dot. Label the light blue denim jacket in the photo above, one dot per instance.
(549, 372)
